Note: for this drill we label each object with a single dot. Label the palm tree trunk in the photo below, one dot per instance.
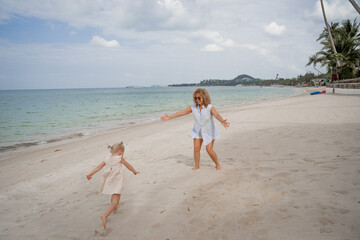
(330, 36)
(355, 6)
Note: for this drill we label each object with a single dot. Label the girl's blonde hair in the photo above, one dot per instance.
(205, 95)
(116, 147)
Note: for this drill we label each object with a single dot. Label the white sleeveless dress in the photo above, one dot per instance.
(113, 178)
(204, 125)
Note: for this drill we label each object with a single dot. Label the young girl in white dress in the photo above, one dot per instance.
(113, 178)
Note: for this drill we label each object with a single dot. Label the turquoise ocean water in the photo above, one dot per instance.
(37, 117)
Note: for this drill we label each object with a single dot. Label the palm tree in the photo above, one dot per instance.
(346, 41)
(351, 30)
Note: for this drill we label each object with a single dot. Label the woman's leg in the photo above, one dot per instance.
(197, 147)
(212, 154)
(115, 198)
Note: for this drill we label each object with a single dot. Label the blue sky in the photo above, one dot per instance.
(87, 44)
(29, 30)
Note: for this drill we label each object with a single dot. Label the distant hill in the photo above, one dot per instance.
(243, 78)
(233, 82)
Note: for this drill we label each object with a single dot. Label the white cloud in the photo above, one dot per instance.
(212, 48)
(175, 8)
(180, 40)
(261, 50)
(228, 43)
(96, 40)
(213, 36)
(216, 38)
(274, 29)
(335, 10)
(172, 14)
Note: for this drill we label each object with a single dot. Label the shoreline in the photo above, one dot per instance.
(290, 170)
(83, 135)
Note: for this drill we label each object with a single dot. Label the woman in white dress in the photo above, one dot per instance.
(113, 177)
(204, 130)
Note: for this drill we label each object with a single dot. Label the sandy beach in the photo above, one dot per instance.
(290, 170)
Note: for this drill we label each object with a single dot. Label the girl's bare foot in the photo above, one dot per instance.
(103, 219)
(195, 168)
(116, 208)
(218, 167)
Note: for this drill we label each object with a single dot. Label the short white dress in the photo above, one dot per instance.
(204, 125)
(113, 178)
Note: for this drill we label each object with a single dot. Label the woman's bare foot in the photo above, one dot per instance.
(195, 168)
(218, 167)
(103, 219)
(116, 208)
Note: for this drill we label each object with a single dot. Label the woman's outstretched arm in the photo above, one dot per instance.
(175, 115)
(224, 122)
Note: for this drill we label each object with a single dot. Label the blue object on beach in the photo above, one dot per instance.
(313, 93)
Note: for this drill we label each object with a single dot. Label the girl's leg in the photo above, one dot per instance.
(197, 147)
(212, 154)
(115, 198)
(112, 201)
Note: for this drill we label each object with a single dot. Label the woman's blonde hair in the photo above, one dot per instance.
(205, 95)
(116, 147)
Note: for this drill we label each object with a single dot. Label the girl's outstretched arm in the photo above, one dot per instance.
(175, 115)
(98, 168)
(128, 165)
(224, 122)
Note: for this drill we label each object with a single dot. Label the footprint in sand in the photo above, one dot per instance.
(92, 193)
(341, 191)
(326, 223)
(292, 154)
(281, 175)
(102, 233)
(308, 160)
(250, 218)
(254, 176)
(330, 168)
(156, 225)
(260, 234)
(343, 211)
